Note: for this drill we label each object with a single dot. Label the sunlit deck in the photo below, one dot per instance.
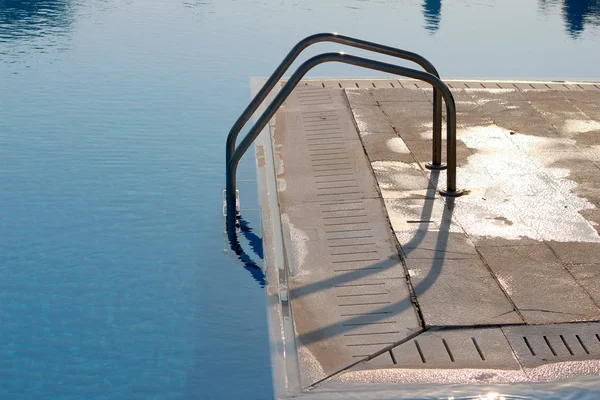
(377, 281)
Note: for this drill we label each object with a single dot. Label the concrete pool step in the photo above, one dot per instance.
(384, 281)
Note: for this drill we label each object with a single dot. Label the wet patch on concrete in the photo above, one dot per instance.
(518, 166)
(525, 201)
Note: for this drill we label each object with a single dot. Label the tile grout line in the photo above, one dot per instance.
(515, 308)
(413, 296)
(374, 355)
(572, 276)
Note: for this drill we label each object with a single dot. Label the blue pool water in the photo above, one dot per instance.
(113, 118)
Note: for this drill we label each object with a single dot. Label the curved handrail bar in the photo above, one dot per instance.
(283, 94)
(352, 42)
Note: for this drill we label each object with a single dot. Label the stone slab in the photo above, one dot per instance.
(537, 345)
(400, 180)
(382, 361)
(386, 146)
(414, 215)
(485, 348)
(371, 119)
(459, 293)
(320, 153)
(539, 285)
(576, 253)
(588, 276)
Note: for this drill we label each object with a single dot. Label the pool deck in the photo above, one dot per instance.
(375, 281)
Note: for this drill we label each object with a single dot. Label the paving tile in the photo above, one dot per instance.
(386, 146)
(397, 179)
(589, 173)
(400, 96)
(539, 285)
(382, 361)
(385, 83)
(576, 253)
(422, 149)
(558, 86)
(320, 155)
(360, 97)
(347, 84)
(487, 95)
(593, 215)
(471, 118)
(589, 86)
(412, 214)
(523, 86)
(589, 138)
(400, 113)
(543, 95)
(552, 214)
(561, 113)
(590, 109)
(514, 109)
(327, 124)
(526, 125)
(588, 191)
(592, 152)
(371, 119)
(456, 85)
(465, 103)
(588, 275)
(539, 345)
(412, 84)
(436, 244)
(571, 160)
(324, 173)
(491, 241)
(582, 97)
(459, 292)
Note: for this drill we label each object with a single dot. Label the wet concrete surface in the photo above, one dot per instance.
(520, 249)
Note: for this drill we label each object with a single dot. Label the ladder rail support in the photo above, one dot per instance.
(436, 162)
(295, 79)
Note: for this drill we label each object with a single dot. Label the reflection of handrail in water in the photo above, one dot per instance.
(576, 13)
(431, 11)
(255, 244)
(33, 19)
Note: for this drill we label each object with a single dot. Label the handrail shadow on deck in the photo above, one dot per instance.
(348, 277)
(398, 307)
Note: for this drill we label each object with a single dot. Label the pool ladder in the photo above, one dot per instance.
(431, 76)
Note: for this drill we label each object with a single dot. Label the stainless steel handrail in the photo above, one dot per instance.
(436, 158)
(287, 89)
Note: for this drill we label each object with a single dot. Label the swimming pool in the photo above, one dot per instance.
(113, 117)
